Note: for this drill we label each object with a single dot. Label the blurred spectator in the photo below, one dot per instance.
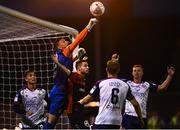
(154, 121)
(175, 120)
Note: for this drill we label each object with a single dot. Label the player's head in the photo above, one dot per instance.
(62, 43)
(30, 76)
(137, 71)
(82, 65)
(113, 67)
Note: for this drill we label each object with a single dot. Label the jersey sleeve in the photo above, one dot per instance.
(68, 50)
(18, 105)
(47, 100)
(153, 87)
(129, 95)
(125, 80)
(95, 90)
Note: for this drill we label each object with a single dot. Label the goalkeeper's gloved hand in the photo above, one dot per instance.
(81, 53)
(91, 23)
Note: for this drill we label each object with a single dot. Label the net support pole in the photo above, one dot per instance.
(38, 21)
(97, 57)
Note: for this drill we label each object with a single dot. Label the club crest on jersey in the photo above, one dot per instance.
(137, 88)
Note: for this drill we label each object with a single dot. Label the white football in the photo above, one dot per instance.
(97, 8)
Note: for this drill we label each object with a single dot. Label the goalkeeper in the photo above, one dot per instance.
(76, 91)
(58, 95)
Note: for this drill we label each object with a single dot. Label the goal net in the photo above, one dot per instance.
(26, 42)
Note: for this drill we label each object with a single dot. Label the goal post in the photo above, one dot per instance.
(38, 21)
(26, 42)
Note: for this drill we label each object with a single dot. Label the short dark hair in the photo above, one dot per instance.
(79, 62)
(138, 65)
(113, 67)
(28, 71)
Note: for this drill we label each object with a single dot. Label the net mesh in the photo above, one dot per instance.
(24, 45)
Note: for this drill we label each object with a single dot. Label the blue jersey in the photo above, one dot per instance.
(58, 95)
(60, 76)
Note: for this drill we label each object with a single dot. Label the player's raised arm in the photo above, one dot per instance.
(61, 66)
(69, 49)
(165, 84)
(115, 57)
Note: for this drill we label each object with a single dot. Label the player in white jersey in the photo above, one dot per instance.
(140, 90)
(30, 102)
(112, 93)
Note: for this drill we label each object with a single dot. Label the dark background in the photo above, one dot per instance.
(140, 31)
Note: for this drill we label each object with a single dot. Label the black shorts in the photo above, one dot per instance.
(78, 120)
(97, 127)
(132, 122)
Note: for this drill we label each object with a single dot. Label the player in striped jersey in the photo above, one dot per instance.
(112, 93)
(30, 102)
(140, 89)
(58, 95)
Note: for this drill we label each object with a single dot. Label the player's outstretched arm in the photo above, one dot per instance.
(91, 23)
(138, 111)
(68, 50)
(92, 104)
(165, 84)
(86, 99)
(61, 66)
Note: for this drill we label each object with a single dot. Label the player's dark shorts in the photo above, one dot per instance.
(98, 127)
(132, 122)
(27, 124)
(58, 101)
(78, 120)
(37, 127)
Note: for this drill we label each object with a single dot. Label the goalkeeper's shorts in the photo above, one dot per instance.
(58, 103)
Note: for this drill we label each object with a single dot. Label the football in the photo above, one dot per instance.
(97, 8)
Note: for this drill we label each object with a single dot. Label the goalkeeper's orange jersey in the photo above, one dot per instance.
(69, 49)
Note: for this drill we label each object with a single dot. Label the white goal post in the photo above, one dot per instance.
(38, 21)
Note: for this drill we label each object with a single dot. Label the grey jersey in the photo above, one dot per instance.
(33, 101)
(112, 93)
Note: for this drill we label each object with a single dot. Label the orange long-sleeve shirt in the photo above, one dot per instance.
(69, 49)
